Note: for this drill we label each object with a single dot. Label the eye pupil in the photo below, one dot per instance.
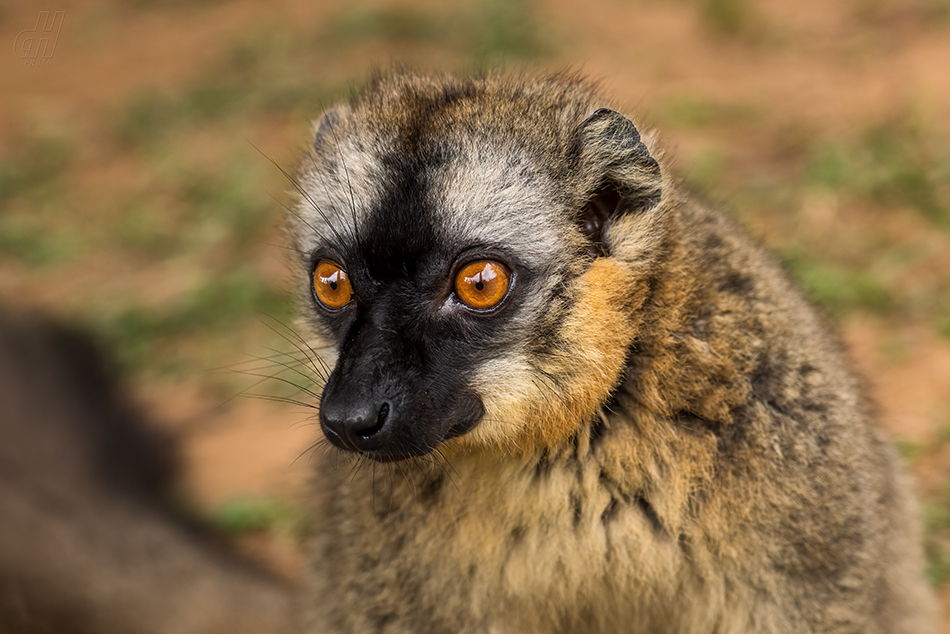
(333, 284)
(480, 285)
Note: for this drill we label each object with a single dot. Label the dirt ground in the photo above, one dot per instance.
(134, 181)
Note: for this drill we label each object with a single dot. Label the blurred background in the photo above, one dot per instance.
(140, 201)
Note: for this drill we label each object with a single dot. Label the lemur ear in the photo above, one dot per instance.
(325, 128)
(625, 178)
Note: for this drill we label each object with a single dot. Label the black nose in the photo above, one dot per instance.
(355, 426)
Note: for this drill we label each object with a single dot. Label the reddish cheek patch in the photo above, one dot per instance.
(528, 411)
(599, 329)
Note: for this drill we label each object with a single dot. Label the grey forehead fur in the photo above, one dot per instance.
(336, 195)
(486, 195)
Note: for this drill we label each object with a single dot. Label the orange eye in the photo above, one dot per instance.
(482, 284)
(331, 285)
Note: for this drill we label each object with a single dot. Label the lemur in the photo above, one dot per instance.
(576, 398)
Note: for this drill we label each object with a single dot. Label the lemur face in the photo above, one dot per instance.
(432, 284)
(452, 271)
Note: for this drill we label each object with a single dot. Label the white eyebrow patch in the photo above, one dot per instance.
(338, 196)
(489, 197)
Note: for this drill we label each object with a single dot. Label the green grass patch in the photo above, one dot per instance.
(250, 515)
(486, 32)
(191, 208)
(909, 450)
(140, 229)
(213, 98)
(728, 17)
(229, 205)
(246, 82)
(893, 163)
(137, 334)
(705, 168)
(389, 24)
(688, 111)
(35, 168)
(938, 13)
(839, 290)
(145, 118)
(505, 31)
(943, 326)
(29, 241)
(936, 514)
(271, 72)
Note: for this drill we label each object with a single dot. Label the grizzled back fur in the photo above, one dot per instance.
(650, 431)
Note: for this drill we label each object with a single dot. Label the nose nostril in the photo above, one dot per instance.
(380, 422)
(356, 427)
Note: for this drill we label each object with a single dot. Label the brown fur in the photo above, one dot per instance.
(671, 438)
(687, 452)
(598, 330)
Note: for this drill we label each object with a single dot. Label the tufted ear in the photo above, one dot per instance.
(624, 177)
(327, 127)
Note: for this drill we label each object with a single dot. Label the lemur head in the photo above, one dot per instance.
(475, 251)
